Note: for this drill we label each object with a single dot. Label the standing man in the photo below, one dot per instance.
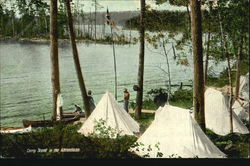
(126, 99)
(91, 101)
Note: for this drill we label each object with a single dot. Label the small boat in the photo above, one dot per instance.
(37, 123)
(48, 123)
(61, 117)
(73, 114)
(12, 130)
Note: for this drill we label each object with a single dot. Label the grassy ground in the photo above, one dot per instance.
(233, 145)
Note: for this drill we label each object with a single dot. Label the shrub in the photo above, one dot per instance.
(64, 136)
(233, 145)
(183, 94)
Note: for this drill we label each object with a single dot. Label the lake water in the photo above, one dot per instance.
(26, 76)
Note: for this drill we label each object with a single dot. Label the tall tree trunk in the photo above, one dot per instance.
(169, 74)
(113, 44)
(83, 27)
(91, 25)
(88, 26)
(13, 25)
(95, 19)
(22, 27)
(130, 29)
(238, 72)
(224, 46)
(198, 88)
(207, 55)
(208, 43)
(77, 62)
(54, 55)
(46, 25)
(103, 26)
(173, 51)
(78, 25)
(189, 19)
(139, 96)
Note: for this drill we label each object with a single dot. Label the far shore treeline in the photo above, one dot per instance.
(172, 21)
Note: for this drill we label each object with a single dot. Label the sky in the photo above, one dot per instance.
(123, 5)
(117, 5)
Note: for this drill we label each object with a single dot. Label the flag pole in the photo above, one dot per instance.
(114, 62)
(110, 23)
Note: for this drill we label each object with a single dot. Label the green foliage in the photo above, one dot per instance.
(33, 19)
(64, 136)
(145, 121)
(182, 98)
(222, 79)
(102, 130)
(158, 92)
(147, 104)
(233, 14)
(160, 96)
(234, 17)
(146, 149)
(173, 2)
(233, 145)
(171, 21)
(182, 94)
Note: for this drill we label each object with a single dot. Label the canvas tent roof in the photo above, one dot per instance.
(241, 109)
(177, 134)
(217, 114)
(113, 114)
(244, 86)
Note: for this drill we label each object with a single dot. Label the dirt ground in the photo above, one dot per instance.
(146, 111)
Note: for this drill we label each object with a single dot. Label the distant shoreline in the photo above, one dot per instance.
(60, 41)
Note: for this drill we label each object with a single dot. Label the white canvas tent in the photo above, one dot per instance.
(113, 114)
(244, 86)
(217, 114)
(241, 109)
(177, 135)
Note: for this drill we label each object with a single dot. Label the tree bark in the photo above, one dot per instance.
(95, 19)
(77, 62)
(54, 55)
(91, 26)
(207, 56)
(238, 72)
(103, 26)
(189, 19)
(13, 24)
(139, 96)
(208, 44)
(130, 36)
(113, 44)
(224, 50)
(198, 89)
(88, 25)
(169, 74)
(46, 25)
